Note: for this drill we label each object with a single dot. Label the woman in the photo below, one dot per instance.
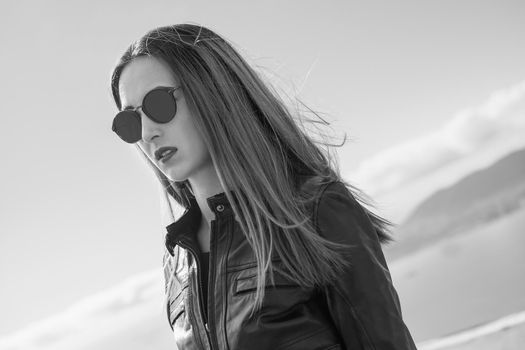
(273, 250)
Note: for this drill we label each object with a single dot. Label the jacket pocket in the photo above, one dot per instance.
(248, 284)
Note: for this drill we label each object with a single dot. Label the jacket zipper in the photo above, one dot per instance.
(211, 273)
(199, 297)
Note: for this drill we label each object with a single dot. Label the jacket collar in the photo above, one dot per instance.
(188, 224)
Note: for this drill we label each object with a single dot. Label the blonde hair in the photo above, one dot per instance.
(258, 150)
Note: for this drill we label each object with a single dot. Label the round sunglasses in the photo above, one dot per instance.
(159, 105)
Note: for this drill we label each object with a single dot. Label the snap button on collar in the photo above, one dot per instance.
(220, 205)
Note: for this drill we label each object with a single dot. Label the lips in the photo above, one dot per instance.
(163, 152)
(167, 156)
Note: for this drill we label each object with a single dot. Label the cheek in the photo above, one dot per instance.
(193, 136)
(188, 138)
(199, 147)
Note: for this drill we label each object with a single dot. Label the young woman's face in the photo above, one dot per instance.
(192, 157)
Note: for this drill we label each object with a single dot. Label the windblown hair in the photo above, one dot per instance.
(258, 151)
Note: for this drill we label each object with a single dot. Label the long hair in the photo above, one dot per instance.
(258, 150)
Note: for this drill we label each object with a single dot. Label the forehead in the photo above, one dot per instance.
(140, 76)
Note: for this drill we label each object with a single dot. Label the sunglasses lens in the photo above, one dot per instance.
(160, 105)
(127, 126)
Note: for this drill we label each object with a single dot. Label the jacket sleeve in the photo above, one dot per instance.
(363, 303)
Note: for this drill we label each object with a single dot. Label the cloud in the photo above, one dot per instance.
(98, 315)
(498, 123)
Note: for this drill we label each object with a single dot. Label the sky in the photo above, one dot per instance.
(425, 90)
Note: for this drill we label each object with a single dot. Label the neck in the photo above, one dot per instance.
(202, 190)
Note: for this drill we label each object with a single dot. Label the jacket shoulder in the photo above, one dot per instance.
(312, 187)
(338, 215)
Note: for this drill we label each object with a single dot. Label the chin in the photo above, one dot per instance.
(173, 176)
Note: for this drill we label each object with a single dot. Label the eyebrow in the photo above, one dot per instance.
(126, 108)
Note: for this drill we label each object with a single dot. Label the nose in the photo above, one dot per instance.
(150, 129)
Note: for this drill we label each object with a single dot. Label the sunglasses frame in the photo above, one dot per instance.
(134, 112)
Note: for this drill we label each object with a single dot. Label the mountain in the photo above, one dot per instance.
(476, 199)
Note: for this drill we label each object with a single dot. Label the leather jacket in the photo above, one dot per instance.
(362, 311)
